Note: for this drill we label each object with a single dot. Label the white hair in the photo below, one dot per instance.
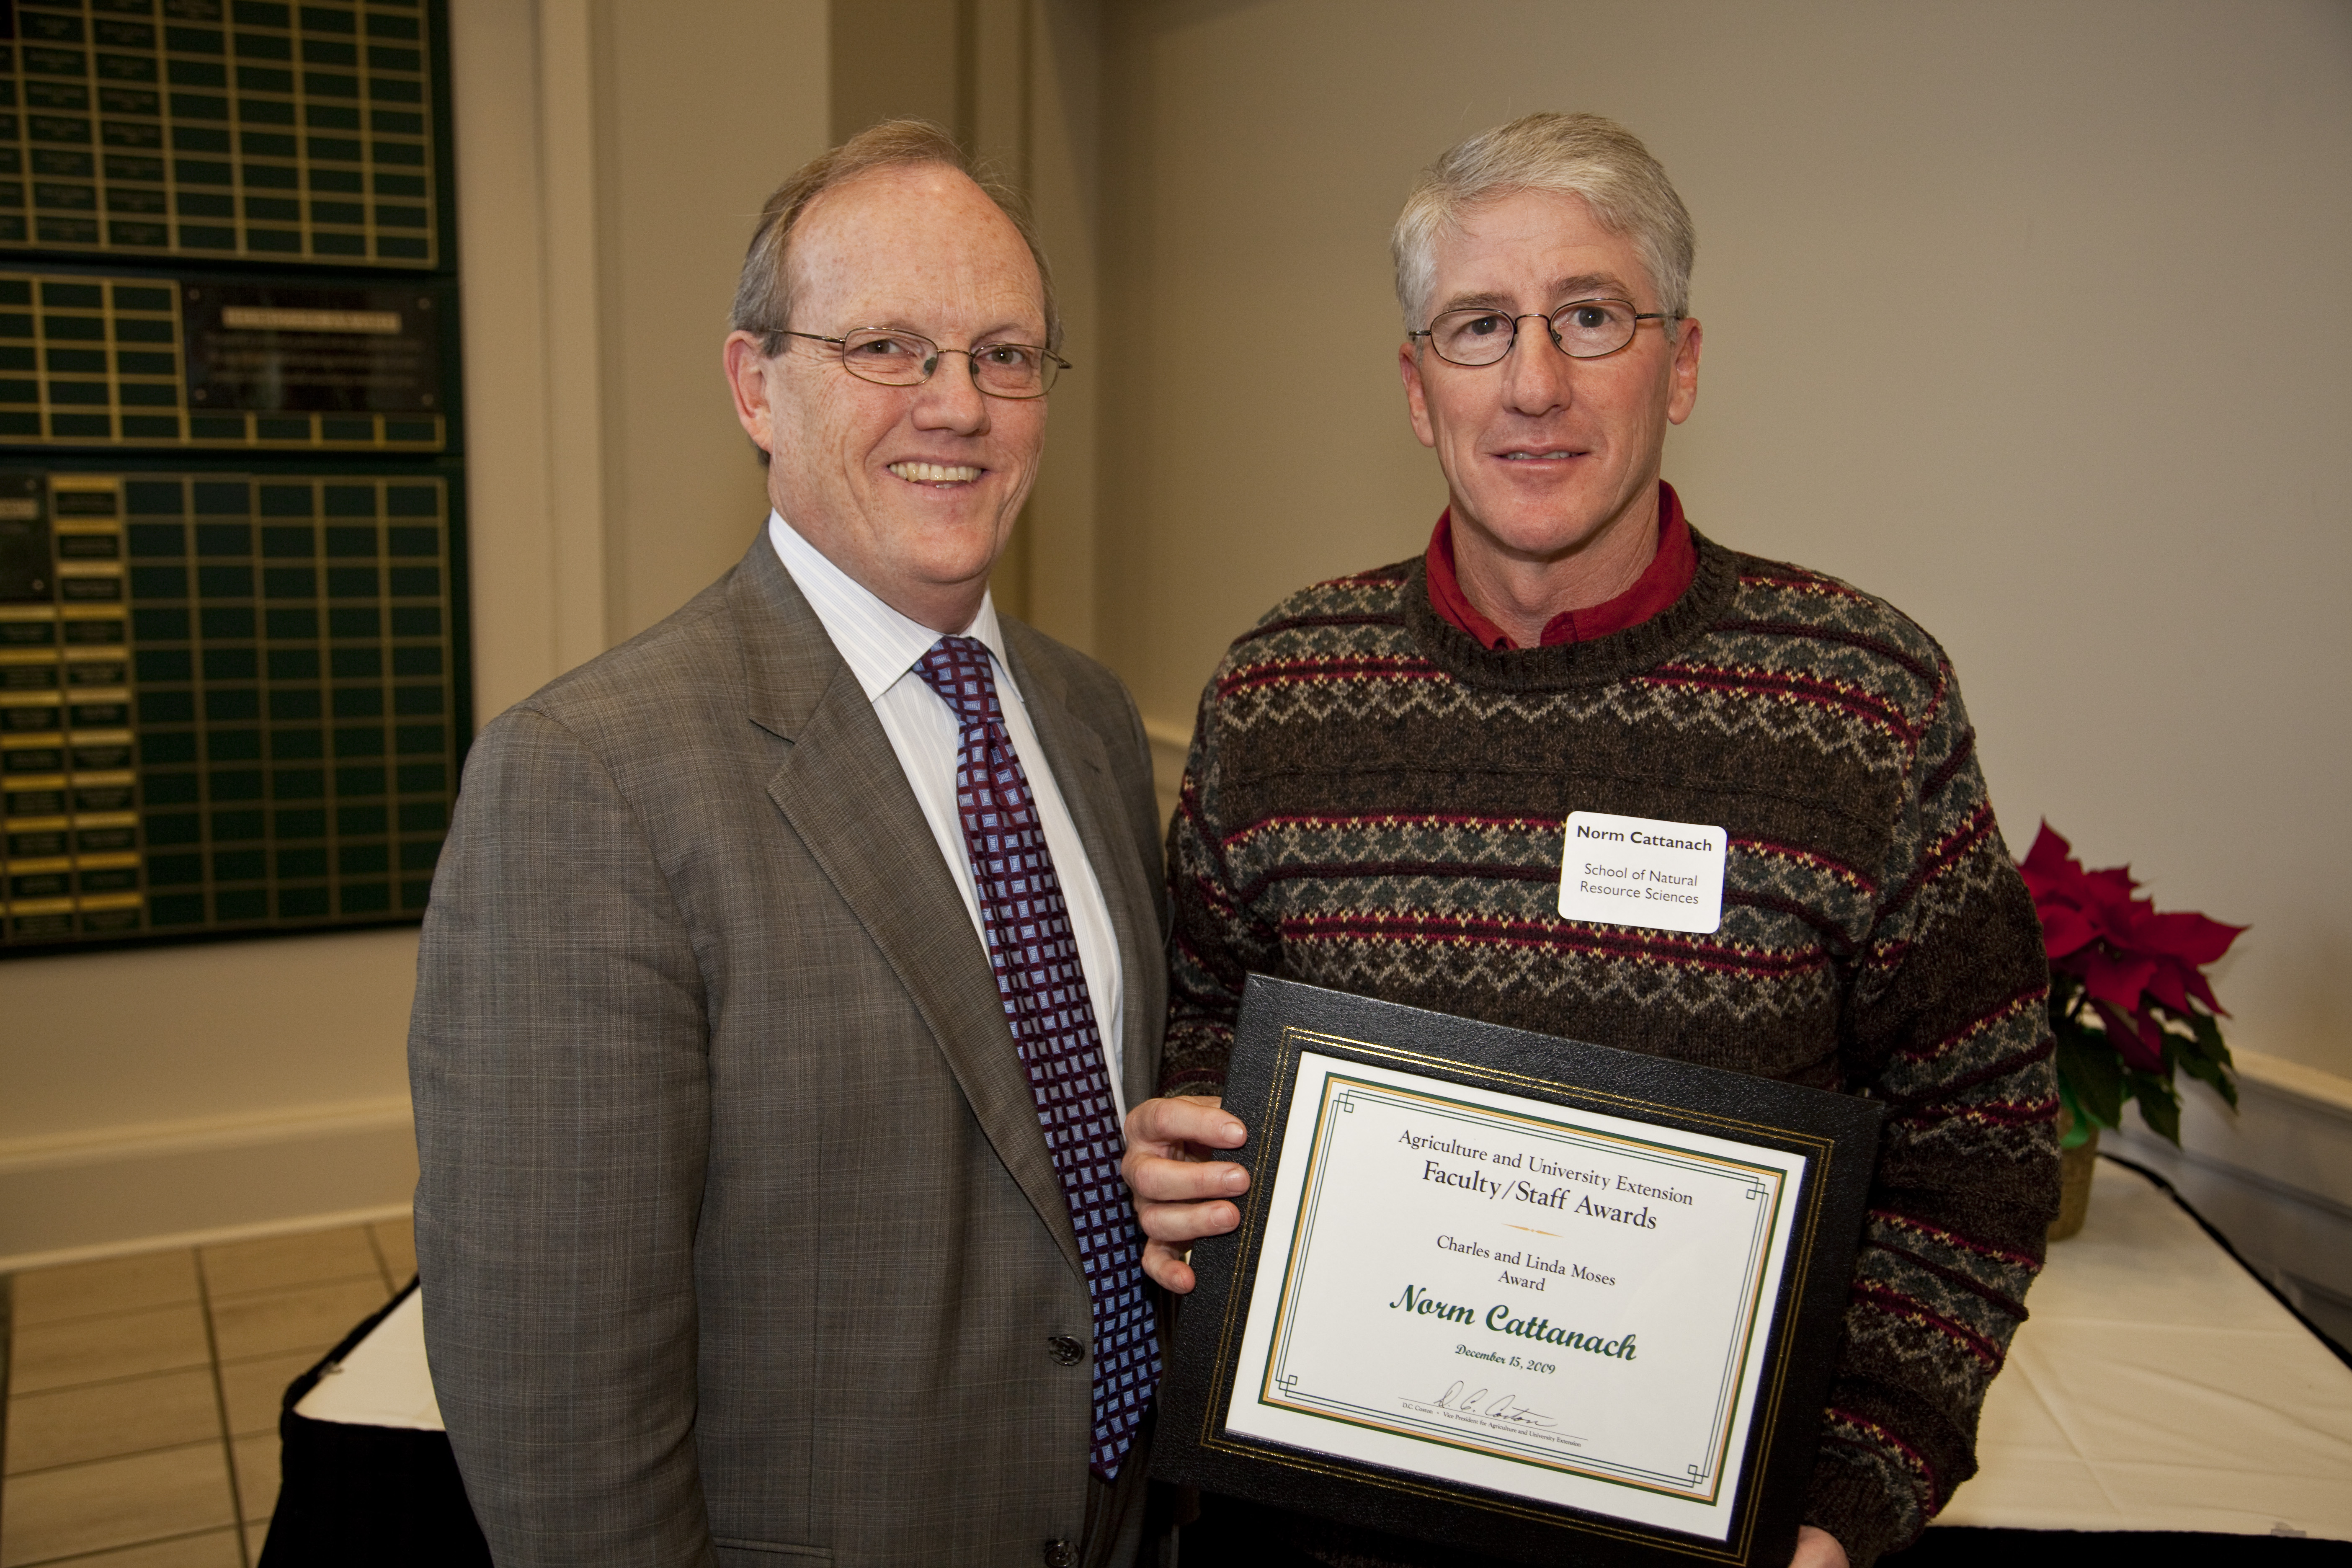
(1580, 154)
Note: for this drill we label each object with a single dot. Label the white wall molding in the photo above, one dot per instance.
(2275, 1177)
(2321, 1093)
(104, 1192)
(214, 1235)
(104, 1145)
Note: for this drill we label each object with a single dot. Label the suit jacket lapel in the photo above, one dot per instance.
(1082, 771)
(843, 791)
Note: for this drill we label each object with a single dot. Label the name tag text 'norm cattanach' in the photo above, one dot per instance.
(1639, 871)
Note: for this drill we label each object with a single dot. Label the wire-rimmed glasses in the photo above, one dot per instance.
(889, 357)
(1581, 329)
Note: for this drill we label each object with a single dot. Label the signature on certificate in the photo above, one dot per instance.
(1493, 1406)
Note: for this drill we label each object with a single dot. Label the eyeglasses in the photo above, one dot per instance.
(888, 357)
(1581, 329)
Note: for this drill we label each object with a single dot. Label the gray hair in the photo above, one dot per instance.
(763, 295)
(1581, 155)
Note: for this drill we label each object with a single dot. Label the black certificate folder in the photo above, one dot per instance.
(1526, 1297)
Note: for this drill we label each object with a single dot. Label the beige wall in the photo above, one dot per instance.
(125, 1044)
(704, 108)
(1018, 82)
(611, 157)
(1064, 125)
(2031, 318)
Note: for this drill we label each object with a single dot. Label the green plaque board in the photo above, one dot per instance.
(228, 701)
(164, 362)
(232, 686)
(241, 131)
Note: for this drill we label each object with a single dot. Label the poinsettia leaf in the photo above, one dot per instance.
(2198, 1067)
(2111, 885)
(2160, 1107)
(2123, 1036)
(2187, 1017)
(2117, 980)
(2186, 935)
(2064, 929)
(2054, 1001)
(2204, 993)
(2169, 984)
(2216, 1056)
(2128, 959)
(2184, 1052)
(2090, 1076)
(2073, 1122)
(2168, 1045)
(2049, 862)
(2209, 1037)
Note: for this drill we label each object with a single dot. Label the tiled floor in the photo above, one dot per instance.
(142, 1395)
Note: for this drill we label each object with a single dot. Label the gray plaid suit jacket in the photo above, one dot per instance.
(740, 1240)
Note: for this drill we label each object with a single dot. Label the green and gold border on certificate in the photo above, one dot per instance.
(1813, 1155)
(1703, 1478)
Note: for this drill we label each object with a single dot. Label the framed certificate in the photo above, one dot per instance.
(1528, 1297)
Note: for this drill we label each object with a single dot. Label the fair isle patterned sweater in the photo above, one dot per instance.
(1374, 803)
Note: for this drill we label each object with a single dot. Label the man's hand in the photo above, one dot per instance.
(1181, 1188)
(1817, 1548)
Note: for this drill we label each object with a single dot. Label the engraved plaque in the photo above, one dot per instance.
(26, 575)
(310, 351)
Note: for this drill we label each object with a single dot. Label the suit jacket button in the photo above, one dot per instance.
(1067, 1351)
(1061, 1554)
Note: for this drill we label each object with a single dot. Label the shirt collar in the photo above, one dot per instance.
(1672, 569)
(877, 643)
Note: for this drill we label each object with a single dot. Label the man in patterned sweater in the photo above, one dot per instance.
(1377, 787)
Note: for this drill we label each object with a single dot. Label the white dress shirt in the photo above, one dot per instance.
(881, 648)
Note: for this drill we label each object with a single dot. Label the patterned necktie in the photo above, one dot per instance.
(1035, 957)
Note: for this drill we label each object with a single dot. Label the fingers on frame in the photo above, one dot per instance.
(1178, 1121)
(1183, 1180)
(1186, 1222)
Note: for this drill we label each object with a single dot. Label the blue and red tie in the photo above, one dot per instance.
(1035, 958)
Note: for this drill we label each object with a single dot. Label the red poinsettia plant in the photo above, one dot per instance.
(2128, 998)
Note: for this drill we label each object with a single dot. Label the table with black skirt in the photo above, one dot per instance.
(2160, 1403)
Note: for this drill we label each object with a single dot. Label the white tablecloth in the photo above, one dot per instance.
(2157, 1385)
(384, 1382)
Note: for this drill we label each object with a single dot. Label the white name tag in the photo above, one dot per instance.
(1638, 871)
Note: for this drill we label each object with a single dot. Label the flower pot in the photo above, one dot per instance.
(2074, 1167)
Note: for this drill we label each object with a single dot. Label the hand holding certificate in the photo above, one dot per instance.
(1178, 1195)
(1517, 1293)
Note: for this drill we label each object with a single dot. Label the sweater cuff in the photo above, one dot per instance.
(1850, 1503)
(1192, 1058)
(1198, 1082)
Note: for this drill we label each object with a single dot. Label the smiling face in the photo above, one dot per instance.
(1548, 459)
(912, 490)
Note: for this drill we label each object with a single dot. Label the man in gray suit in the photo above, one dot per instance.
(788, 970)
